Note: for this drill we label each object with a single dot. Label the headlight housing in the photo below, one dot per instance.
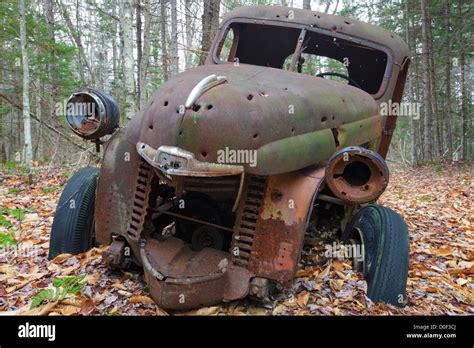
(92, 113)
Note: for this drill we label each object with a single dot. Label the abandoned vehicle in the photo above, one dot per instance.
(212, 186)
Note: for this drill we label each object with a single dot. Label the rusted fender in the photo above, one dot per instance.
(282, 222)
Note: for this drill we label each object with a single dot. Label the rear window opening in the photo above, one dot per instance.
(274, 46)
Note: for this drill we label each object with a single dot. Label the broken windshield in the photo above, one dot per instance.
(277, 46)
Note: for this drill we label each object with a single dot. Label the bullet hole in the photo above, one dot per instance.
(333, 117)
(165, 103)
(209, 107)
(204, 154)
(255, 136)
(293, 130)
(335, 134)
(334, 28)
(347, 22)
(276, 196)
(360, 126)
(196, 107)
(277, 16)
(180, 132)
(150, 126)
(324, 119)
(249, 97)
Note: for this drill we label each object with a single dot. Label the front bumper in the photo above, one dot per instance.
(172, 160)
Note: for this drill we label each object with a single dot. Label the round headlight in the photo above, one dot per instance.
(92, 114)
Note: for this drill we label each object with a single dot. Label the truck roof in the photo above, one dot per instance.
(360, 31)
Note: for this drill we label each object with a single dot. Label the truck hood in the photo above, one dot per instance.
(258, 108)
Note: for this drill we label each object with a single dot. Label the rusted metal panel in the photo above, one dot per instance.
(281, 224)
(254, 97)
(357, 175)
(180, 278)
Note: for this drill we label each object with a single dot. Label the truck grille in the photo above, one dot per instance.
(246, 220)
(140, 200)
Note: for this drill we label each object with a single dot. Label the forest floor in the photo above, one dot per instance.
(436, 202)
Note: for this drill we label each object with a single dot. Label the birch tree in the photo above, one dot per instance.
(144, 61)
(126, 8)
(26, 83)
(174, 38)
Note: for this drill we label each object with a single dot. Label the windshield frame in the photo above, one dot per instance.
(334, 34)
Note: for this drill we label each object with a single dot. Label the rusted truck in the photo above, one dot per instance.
(211, 186)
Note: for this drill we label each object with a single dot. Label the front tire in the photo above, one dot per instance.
(73, 226)
(386, 249)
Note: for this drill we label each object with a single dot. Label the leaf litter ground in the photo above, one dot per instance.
(435, 201)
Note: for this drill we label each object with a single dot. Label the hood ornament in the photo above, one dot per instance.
(204, 85)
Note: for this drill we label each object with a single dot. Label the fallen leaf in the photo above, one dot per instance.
(141, 299)
(303, 298)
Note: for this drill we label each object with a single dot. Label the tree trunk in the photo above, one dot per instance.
(144, 61)
(462, 63)
(139, 49)
(126, 8)
(115, 65)
(164, 43)
(36, 149)
(411, 95)
(449, 112)
(210, 23)
(174, 39)
(26, 84)
(436, 124)
(189, 33)
(428, 114)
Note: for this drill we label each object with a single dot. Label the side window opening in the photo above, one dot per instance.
(229, 45)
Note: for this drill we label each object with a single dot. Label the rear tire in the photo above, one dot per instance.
(384, 235)
(73, 226)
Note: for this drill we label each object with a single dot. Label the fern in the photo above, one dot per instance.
(6, 240)
(62, 288)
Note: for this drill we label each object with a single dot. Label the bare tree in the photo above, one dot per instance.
(189, 33)
(410, 87)
(26, 84)
(126, 7)
(449, 111)
(462, 63)
(210, 23)
(163, 35)
(174, 38)
(428, 116)
(144, 61)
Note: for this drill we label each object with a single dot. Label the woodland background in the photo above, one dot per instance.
(49, 48)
